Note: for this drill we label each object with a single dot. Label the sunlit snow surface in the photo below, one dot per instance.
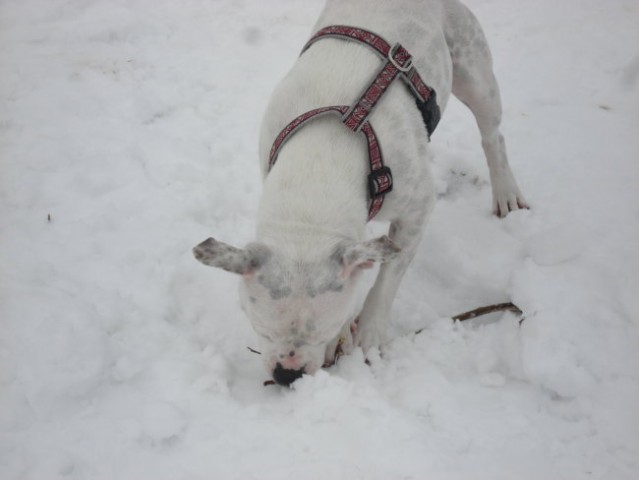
(128, 134)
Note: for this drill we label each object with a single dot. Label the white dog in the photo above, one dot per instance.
(299, 277)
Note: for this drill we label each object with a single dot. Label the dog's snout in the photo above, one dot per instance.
(284, 376)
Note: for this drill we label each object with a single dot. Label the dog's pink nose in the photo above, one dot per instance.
(284, 376)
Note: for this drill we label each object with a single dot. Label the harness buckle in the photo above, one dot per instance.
(408, 64)
(380, 182)
(430, 112)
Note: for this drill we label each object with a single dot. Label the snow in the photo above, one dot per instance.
(128, 133)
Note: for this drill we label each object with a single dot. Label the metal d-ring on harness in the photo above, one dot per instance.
(397, 62)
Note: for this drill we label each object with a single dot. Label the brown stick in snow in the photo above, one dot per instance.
(499, 307)
(478, 312)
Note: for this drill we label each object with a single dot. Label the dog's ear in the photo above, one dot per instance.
(243, 261)
(366, 254)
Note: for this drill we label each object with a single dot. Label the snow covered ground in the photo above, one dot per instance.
(128, 133)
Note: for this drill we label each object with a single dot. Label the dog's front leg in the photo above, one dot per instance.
(372, 322)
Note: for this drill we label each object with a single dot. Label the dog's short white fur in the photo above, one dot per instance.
(299, 278)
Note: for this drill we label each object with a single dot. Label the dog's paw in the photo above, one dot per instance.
(506, 196)
(504, 205)
(368, 335)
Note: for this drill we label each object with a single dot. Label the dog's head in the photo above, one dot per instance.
(296, 307)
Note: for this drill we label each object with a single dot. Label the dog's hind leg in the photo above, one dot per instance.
(475, 85)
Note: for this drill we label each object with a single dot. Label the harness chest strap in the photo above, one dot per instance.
(380, 180)
(355, 117)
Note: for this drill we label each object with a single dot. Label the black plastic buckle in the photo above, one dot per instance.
(380, 182)
(430, 112)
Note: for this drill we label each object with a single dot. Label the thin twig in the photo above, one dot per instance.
(252, 350)
(478, 312)
(499, 307)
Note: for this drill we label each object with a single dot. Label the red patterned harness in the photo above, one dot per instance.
(398, 62)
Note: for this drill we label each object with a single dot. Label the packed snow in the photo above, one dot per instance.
(128, 134)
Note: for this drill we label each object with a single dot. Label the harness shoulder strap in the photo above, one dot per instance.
(398, 62)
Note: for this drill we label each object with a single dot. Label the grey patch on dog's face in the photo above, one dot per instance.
(274, 281)
(282, 278)
(326, 278)
(333, 286)
(328, 281)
